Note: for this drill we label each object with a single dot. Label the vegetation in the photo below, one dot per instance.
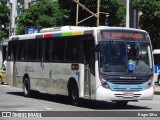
(150, 18)
(4, 20)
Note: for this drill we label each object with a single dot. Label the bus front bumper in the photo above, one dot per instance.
(104, 94)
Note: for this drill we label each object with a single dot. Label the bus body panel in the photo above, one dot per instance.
(54, 80)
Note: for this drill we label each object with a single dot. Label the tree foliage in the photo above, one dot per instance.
(150, 18)
(45, 13)
(4, 20)
(113, 7)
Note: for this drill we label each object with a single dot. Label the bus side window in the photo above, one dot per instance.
(24, 51)
(58, 50)
(47, 50)
(9, 52)
(32, 50)
(73, 49)
(14, 52)
(20, 49)
(39, 50)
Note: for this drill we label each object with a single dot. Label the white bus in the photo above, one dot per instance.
(156, 55)
(98, 63)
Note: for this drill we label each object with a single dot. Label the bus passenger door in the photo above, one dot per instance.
(88, 53)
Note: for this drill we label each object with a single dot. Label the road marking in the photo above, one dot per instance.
(48, 108)
(27, 110)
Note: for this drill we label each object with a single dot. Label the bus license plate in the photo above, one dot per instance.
(128, 94)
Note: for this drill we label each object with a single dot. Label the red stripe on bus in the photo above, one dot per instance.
(48, 35)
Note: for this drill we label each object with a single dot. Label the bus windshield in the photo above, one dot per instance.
(125, 57)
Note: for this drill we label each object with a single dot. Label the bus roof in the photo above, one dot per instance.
(52, 34)
(67, 31)
(64, 28)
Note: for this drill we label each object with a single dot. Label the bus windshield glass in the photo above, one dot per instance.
(125, 56)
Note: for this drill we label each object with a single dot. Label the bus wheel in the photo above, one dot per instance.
(26, 87)
(159, 80)
(73, 93)
(121, 103)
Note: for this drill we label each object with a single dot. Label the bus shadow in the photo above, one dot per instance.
(90, 104)
(157, 93)
(101, 105)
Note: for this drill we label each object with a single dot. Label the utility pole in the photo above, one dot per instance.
(77, 13)
(13, 16)
(127, 14)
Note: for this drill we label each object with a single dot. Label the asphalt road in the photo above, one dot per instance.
(12, 99)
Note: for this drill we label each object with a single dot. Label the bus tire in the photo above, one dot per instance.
(158, 80)
(26, 87)
(121, 103)
(73, 93)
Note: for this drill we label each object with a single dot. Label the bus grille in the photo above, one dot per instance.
(120, 96)
(127, 81)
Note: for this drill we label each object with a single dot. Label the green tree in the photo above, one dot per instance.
(45, 13)
(150, 18)
(113, 7)
(4, 20)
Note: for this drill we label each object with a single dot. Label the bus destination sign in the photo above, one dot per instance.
(125, 35)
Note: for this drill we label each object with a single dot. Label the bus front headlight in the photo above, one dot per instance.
(150, 82)
(104, 82)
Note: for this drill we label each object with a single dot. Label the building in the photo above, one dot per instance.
(22, 5)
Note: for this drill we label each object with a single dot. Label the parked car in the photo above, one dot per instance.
(3, 75)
